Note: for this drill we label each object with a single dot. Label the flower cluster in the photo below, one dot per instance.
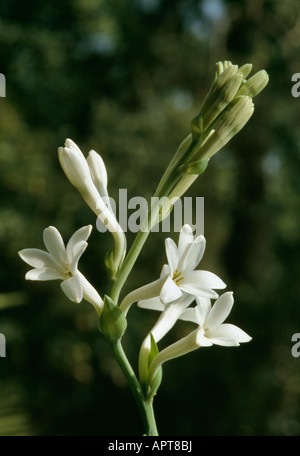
(173, 294)
(89, 176)
(225, 111)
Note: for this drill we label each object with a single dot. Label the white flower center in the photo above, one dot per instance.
(177, 277)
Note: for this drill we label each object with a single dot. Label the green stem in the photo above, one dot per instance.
(130, 259)
(145, 405)
(139, 241)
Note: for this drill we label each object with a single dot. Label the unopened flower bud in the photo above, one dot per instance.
(76, 169)
(227, 125)
(246, 69)
(148, 352)
(220, 67)
(254, 85)
(222, 92)
(97, 170)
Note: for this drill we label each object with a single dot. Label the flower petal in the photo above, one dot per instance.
(152, 304)
(80, 247)
(38, 259)
(220, 310)
(172, 255)
(193, 255)
(72, 288)
(165, 270)
(189, 315)
(185, 239)
(203, 279)
(80, 235)
(170, 291)
(227, 334)
(203, 341)
(203, 309)
(55, 244)
(198, 291)
(43, 274)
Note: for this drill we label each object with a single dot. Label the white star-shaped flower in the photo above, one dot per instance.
(61, 263)
(179, 276)
(211, 331)
(210, 319)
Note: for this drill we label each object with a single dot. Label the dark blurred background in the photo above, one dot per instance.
(125, 77)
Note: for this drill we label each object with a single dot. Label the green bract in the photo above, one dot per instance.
(112, 322)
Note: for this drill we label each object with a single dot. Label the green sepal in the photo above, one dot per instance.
(112, 321)
(152, 389)
(196, 167)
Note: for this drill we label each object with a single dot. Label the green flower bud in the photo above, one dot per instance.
(220, 67)
(246, 69)
(255, 84)
(222, 92)
(148, 352)
(227, 125)
(112, 322)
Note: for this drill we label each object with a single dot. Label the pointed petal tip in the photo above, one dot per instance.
(88, 229)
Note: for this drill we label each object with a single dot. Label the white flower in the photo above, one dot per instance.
(179, 277)
(61, 262)
(170, 313)
(211, 331)
(89, 176)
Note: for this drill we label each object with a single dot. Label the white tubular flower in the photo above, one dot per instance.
(61, 263)
(211, 331)
(210, 319)
(90, 178)
(179, 275)
(170, 313)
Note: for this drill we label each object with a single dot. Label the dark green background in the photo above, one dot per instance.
(125, 78)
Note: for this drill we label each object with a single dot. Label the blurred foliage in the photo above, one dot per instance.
(125, 77)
